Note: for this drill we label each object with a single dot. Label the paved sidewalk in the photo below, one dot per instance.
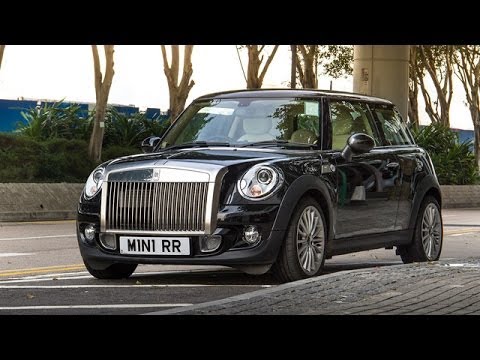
(438, 288)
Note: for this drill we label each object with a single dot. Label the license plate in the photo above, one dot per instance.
(143, 245)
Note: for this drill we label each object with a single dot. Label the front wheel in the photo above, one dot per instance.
(303, 252)
(115, 271)
(428, 234)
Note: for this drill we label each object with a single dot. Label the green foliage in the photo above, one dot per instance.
(115, 151)
(55, 120)
(454, 162)
(53, 145)
(337, 60)
(57, 160)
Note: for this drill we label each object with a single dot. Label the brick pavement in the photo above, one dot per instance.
(437, 288)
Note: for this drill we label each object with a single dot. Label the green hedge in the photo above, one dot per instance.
(23, 159)
(454, 162)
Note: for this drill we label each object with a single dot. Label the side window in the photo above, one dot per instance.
(393, 128)
(347, 119)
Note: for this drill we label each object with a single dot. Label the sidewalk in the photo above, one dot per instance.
(438, 288)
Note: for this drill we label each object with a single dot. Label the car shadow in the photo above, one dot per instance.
(228, 276)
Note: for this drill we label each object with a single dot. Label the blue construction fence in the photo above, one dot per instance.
(10, 111)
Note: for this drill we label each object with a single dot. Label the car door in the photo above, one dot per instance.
(398, 140)
(367, 186)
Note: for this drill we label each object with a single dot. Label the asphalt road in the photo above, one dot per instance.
(41, 272)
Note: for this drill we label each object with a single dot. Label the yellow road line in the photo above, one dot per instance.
(41, 270)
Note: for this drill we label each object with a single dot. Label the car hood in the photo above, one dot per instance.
(219, 156)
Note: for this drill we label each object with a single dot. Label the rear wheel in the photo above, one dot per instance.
(115, 271)
(303, 252)
(428, 234)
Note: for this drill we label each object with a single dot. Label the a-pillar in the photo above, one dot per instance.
(382, 70)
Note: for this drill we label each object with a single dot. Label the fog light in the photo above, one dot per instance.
(210, 243)
(251, 234)
(89, 232)
(108, 241)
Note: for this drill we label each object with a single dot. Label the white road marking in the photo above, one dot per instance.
(38, 237)
(113, 306)
(465, 233)
(122, 286)
(15, 254)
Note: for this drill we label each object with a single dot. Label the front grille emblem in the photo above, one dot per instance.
(156, 175)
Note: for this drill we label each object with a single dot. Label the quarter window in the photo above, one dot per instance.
(394, 129)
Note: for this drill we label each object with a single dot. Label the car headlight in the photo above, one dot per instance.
(94, 182)
(259, 182)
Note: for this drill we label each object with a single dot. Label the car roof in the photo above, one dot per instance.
(279, 93)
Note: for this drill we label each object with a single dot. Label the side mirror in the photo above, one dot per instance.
(149, 144)
(357, 144)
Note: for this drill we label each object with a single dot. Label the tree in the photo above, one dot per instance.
(178, 91)
(467, 69)
(438, 63)
(102, 90)
(415, 70)
(2, 49)
(336, 61)
(255, 74)
(307, 63)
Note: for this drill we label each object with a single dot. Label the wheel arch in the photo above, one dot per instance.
(427, 187)
(307, 185)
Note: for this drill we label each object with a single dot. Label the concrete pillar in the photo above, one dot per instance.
(382, 70)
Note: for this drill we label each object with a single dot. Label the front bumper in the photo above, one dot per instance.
(230, 224)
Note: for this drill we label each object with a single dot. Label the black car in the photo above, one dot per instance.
(265, 180)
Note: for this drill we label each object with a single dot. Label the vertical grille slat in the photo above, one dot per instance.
(156, 206)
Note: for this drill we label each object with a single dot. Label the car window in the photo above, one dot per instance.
(347, 119)
(248, 120)
(394, 130)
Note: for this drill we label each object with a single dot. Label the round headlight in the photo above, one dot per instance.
(264, 176)
(259, 182)
(94, 183)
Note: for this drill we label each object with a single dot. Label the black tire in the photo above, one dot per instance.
(287, 267)
(115, 271)
(415, 251)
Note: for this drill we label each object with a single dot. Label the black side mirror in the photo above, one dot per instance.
(150, 143)
(357, 144)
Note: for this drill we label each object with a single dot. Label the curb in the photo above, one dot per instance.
(247, 296)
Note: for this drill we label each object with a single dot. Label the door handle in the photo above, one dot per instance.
(393, 166)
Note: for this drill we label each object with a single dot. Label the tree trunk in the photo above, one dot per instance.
(467, 61)
(413, 88)
(476, 130)
(178, 92)
(307, 65)
(2, 49)
(255, 74)
(293, 69)
(442, 80)
(102, 90)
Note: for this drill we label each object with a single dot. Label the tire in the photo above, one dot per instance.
(302, 256)
(428, 226)
(115, 271)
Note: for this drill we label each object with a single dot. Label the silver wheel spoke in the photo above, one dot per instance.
(431, 231)
(310, 239)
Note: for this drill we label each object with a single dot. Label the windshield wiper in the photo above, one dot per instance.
(196, 144)
(277, 143)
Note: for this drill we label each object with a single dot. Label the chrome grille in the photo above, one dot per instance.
(156, 206)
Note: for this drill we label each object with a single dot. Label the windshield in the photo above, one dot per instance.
(244, 121)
